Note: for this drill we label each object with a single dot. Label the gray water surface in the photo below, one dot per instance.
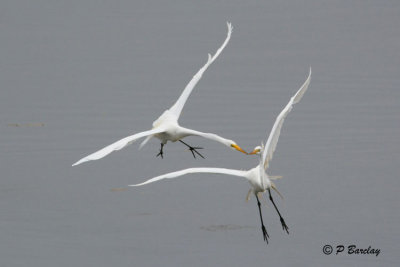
(76, 76)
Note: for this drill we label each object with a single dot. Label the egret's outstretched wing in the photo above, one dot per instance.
(178, 106)
(276, 129)
(177, 174)
(118, 145)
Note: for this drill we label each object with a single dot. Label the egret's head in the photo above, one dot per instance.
(257, 150)
(238, 148)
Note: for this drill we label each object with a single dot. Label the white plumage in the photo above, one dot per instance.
(166, 127)
(259, 180)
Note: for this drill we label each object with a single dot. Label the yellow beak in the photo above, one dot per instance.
(238, 148)
(255, 151)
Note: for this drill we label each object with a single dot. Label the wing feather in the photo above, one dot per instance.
(120, 144)
(177, 174)
(273, 137)
(178, 106)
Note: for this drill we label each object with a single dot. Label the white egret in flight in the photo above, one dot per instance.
(166, 127)
(259, 180)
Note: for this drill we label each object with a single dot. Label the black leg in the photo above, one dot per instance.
(161, 153)
(284, 226)
(264, 231)
(193, 149)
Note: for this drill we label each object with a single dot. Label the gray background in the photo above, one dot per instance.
(78, 75)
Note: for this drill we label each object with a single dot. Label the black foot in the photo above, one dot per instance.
(161, 153)
(265, 233)
(193, 149)
(284, 226)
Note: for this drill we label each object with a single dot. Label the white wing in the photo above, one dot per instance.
(118, 145)
(177, 174)
(178, 106)
(276, 129)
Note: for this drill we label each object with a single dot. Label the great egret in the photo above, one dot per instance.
(166, 127)
(259, 180)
